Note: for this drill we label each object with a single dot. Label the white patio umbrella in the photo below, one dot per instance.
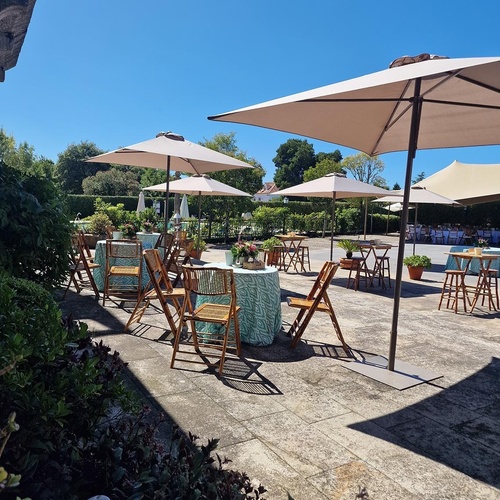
(171, 152)
(417, 195)
(184, 209)
(424, 102)
(199, 185)
(393, 207)
(141, 204)
(333, 186)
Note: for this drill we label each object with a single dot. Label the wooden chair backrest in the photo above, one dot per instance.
(157, 272)
(323, 280)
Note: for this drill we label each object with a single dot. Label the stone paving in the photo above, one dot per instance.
(303, 425)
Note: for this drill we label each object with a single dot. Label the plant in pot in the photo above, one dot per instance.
(96, 229)
(198, 248)
(416, 265)
(349, 247)
(129, 230)
(147, 226)
(268, 246)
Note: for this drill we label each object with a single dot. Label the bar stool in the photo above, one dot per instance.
(304, 257)
(357, 273)
(383, 271)
(492, 279)
(454, 289)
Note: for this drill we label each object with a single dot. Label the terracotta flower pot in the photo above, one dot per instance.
(415, 272)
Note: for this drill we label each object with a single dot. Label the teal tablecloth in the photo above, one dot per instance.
(474, 265)
(258, 294)
(148, 241)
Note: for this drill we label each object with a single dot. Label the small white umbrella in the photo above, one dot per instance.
(141, 204)
(333, 186)
(184, 209)
(199, 185)
(417, 195)
(171, 152)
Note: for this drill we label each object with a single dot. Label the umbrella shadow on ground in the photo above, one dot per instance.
(281, 352)
(457, 427)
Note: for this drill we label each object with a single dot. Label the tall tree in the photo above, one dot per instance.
(418, 178)
(396, 187)
(71, 167)
(365, 168)
(245, 179)
(323, 167)
(292, 159)
(112, 182)
(335, 156)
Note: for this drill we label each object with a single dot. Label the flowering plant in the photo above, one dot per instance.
(244, 249)
(128, 229)
(481, 242)
(147, 226)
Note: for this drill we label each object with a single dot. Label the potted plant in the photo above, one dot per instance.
(129, 230)
(272, 257)
(147, 226)
(416, 265)
(198, 248)
(96, 229)
(349, 247)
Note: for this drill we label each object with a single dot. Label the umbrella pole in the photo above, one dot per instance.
(333, 224)
(199, 218)
(366, 218)
(165, 230)
(412, 149)
(387, 225)
(415, 228)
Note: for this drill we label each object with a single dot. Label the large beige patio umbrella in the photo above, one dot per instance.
(421, 102)
(333, 186)
(171, 152)
(199, 185)
(417, 195)
(468, 183)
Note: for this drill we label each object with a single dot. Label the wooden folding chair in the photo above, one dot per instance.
(81, 266)
(164, 245)
(316, 300)
(214, 293)
(162, 290)
(123, 276)
(179, 256)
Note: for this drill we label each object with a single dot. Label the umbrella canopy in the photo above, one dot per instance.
(333, 186)
(184, 209)
(396, 207)
(417, 195)
(468, 183)
(171, 151)
(199, 185)
(141, 204)
(431, 103)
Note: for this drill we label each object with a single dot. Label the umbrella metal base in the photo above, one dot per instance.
(403, 377)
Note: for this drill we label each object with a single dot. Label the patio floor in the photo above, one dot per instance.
(302, 424)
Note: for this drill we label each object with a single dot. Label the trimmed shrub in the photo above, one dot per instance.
(81, 432)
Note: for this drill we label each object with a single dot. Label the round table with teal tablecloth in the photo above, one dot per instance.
(148, 238)
(258, 294)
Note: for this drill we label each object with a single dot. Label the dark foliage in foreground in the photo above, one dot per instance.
(81, 432)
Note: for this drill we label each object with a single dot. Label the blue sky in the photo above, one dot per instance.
(116, 72)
